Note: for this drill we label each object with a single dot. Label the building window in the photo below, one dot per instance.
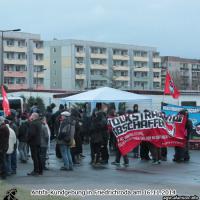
(79, 49)
(21, 43)
(54, 50)
(10, 42)
(54, 62)
(10, 55)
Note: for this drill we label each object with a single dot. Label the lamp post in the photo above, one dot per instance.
(2, 61)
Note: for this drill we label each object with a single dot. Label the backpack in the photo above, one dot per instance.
(65, 132)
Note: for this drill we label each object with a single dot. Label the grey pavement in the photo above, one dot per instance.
(184, 178)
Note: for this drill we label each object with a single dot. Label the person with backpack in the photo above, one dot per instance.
(65, 139)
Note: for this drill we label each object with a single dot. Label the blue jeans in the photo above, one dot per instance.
(14, 161)
(23, 152)
(8, 164)
(66, 155)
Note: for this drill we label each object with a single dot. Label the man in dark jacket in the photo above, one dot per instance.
(34, 140)
(4, 138)
(23, 137)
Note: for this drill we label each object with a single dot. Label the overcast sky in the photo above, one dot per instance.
(173, 26)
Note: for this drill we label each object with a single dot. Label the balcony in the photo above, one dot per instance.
(38, 62)
(80, 54)
(15, 62)
(39, 74)
(98, 55)
(80, 76)
(17, 86)
(14, 49)
(141, 69)
(96, 66)
(15, 73)
(38, 50)
(157, 60)
(156, 79)
(77, 65)
(120, 57)
(157, 70)
(121, 78)
(141, 78)
(120, 68)
(140, 59)
(39, 86)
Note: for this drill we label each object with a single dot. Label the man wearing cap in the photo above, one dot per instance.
(4, 138)
(66, 130)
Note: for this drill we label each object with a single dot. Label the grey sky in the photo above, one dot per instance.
(173, 26)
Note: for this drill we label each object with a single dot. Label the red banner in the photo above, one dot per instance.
(154, 127)
(5, 103)
(170, 87)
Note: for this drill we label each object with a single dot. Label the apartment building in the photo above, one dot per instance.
(78, 65)
(23, 55)
(186, 72)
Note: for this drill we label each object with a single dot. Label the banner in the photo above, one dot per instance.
(5, 103)
(170, 87)
(152, 126)
(194, 115)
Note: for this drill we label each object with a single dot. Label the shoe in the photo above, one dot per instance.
(24, 161)
(46, 169)
(104, 162)
(64, 168)
(13, 172)
(115, 163)
(33, 173)
(126, 164)
(156, 162)
(70, 169)
(82, 156)
(40, 173)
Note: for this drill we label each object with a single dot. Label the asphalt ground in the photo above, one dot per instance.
(140, 177)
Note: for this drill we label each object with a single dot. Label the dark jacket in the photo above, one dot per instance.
(4, 138)
(189, 128)
(23, 131)
(99, 132)
(35, 132)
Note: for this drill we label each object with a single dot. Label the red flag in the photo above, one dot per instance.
(170, 88)
(5, 103)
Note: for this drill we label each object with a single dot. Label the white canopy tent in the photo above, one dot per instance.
(107, 95)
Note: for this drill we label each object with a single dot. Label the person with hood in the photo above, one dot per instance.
(65, 139)
(34, 141)
(98, 137)
(4, 144)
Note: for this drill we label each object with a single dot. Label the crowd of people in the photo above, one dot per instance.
(30, 133)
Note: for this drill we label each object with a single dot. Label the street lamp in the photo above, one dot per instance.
(2, 61)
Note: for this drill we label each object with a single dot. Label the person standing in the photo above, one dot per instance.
(34, 141)
(11, 149)
(23, 137)
(65, 139)
(44, 143)
(4, 142)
